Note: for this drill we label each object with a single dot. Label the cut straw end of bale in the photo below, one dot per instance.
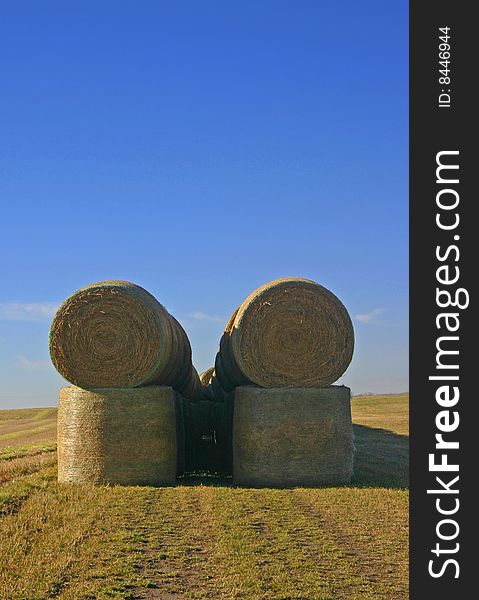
(119, 436)
(116, 334)
(205, 379)
(289, 332)
(287, 437)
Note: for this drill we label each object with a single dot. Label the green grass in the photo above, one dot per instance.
(211, 540)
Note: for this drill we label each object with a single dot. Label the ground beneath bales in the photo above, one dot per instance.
(205, 538)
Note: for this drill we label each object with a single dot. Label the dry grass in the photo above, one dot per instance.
(386, 412)
(24, 465)
(26, 431)
(213, 541)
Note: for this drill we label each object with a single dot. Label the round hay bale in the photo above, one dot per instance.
(119, 436)
(208, 394)
(183, 355)
(116, 334)
(292, 332)
(191, 387)
(218, 392)
(230, 367)
(232, 372)
(221, 375)
(197, 393)
(111, 334)
(206, 376)
(178, 364)
(287, 437)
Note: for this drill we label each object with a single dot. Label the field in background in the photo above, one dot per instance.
(205, 539)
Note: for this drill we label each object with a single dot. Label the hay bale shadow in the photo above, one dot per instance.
(381, 458)
(206, 478)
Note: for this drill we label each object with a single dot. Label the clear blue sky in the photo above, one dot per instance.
(201, 149)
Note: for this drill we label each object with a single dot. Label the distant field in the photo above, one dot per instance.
(204, 538)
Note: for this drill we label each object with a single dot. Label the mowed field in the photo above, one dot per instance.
(205, 538)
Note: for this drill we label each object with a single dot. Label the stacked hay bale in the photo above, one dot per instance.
(124, 353)
(284, 437)
(289, 332)
(116, 334)
(266, 411)
(294, 338)
(119, 436)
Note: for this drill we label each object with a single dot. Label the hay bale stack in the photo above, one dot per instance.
(116, 334)
(119, 436)
(291, 332)
(285, 437)
(191, 387)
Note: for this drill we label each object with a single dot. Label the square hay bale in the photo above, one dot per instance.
(287, 437)
(126, 436)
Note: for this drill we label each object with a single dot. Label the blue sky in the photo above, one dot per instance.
(201, 149)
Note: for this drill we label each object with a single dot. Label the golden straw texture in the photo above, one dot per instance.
(119, 436)
(116, 334)
(289, 332)
(287, 437)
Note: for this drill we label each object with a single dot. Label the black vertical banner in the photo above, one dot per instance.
(443, 325)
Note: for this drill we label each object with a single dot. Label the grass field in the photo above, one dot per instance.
(205, 538)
